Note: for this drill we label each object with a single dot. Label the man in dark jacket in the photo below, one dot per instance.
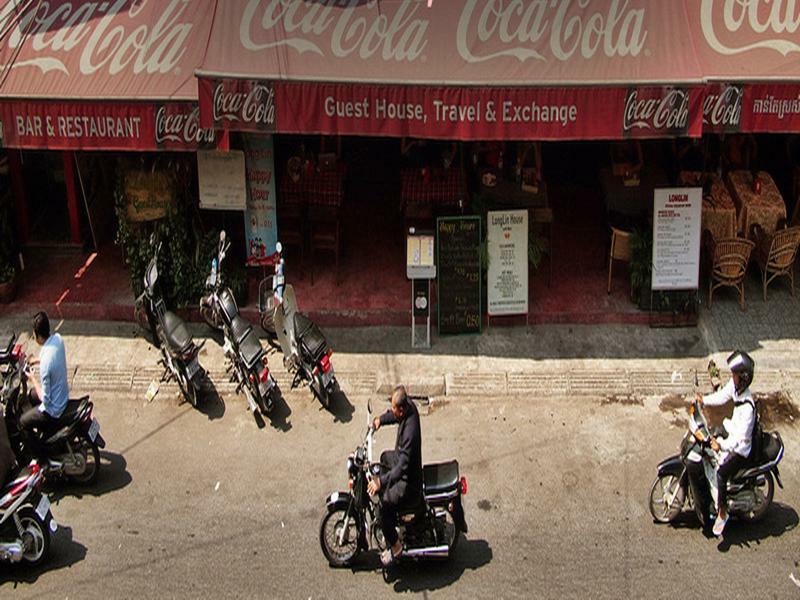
(401, 480)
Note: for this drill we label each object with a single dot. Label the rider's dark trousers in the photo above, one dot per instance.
(34, 418)
(732, 463)
(392, 498)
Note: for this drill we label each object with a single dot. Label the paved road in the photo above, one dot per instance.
(209, 505)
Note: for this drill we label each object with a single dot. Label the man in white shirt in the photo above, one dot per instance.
(734, 449)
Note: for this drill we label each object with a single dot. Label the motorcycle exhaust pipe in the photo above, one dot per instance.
(11, 552)
(429, 552)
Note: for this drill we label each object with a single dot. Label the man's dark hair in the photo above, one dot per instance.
(41, 325)
(401, 396)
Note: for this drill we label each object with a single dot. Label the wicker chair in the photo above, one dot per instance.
(776, 253)
(729, 266)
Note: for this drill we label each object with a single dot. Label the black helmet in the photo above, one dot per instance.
(742, 364)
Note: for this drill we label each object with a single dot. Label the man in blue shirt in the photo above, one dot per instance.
(48, 397)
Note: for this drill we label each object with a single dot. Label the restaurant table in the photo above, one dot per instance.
(509, 195)
(719, 211)
(765, 208)
(634, 201)
(443, 186)
(323, 186)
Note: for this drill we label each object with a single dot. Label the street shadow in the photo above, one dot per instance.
(779, 519)
(340, 407)
(113, 476)
(64, 552)
(426, 576)
(279, 415)
(210, 402)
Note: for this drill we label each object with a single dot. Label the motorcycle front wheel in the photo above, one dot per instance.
(140, 316)
(210, 316)
(666, 498)
(37, 534)
(330, 531)
(91, 453)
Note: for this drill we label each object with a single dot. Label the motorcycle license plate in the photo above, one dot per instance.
(44, 507)
(94, 429)
(192, 368)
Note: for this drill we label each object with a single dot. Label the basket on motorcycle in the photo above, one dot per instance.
(310, 336)
(7, 346)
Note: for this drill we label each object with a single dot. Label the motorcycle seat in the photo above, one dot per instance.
(239, 329)
(73, 410)
(176, 332)
(250, 349)
(309, 335)
(440, 478)
(771, 448)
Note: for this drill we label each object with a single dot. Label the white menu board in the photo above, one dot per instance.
(676, 238)
(507, 239)
(221, 179)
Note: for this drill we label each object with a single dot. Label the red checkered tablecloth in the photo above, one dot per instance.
(320, 187)
(444, 186)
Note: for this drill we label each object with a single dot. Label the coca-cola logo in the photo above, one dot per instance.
(256, 105)
(182, 127)
(772, 23)
(668, 112)
(523, 28)
(353, 27)
(106, 35)
(724, 108)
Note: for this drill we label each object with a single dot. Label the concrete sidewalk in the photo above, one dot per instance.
(571, 360)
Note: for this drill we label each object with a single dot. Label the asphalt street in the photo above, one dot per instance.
(208, 504)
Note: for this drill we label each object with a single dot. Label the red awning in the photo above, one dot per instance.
(102, 75)
(539, 64)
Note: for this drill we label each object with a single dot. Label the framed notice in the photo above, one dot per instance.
(507, 240)
(676, 238)
(221, 180)
(458, 268)
(419, 257)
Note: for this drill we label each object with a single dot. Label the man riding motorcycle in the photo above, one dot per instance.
(735, 448)
(401, 470)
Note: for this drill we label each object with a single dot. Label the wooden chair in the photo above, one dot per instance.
(542, 226)
(324, 233)
(620, 250)
(291, 225)
(729, 266)
(776, 253)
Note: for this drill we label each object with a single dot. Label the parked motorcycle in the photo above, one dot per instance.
(247, 360)
(178, 350)
(26, 522)
(689, 478)
(306, 352)
(429, 529)
(69, 448)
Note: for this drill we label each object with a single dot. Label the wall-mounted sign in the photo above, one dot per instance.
(507, 237)
(259, 217)
(148, 194)
(676, 238)
(221, 179)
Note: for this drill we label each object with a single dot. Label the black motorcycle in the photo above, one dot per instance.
(170, 334)
(306, 353)
(247, 359)
(429, 528)
(689, 478)
(68, 448)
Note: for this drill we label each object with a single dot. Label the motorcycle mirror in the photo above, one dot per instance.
(152, 238)
(369, 407)
(278, 248)
(222, 236)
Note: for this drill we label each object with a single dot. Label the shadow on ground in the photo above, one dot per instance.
(113, 476)
(779, 519)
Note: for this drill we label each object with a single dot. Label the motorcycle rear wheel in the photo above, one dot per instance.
(329, 530)
(663, 487)
(188, 391)
(319, 391)
(765, 494)
(35, 527)
(89, 475)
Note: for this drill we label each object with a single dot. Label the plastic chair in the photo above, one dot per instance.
(729, 266)
(620, 250)
(775, 254)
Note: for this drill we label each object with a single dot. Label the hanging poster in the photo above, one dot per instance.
(221, 179)
(508, 262)
(148, 195)
(676, 238)
(259, 215)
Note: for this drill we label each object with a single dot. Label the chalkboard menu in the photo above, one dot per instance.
(458, 243)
